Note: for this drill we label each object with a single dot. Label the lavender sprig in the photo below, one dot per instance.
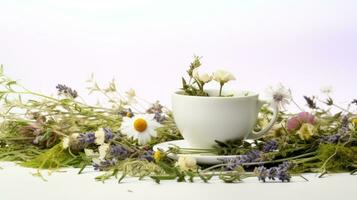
(310, 102)
(118, 151)
(65, 90)
(108, 134)
(270, 146)
(281, 172)
(344, 125)
(105, 164)
(331, 139)
(251, 156)
(148, 155)
(86, 138)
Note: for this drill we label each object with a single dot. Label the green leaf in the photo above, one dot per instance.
(10, 83)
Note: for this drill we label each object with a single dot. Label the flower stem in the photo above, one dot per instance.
(220, 89)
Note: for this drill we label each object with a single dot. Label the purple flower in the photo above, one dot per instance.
(108, 134)
(344, 125)
(155, 108)
(272, 173)
(119, 151)
(270, 146)
(105, 164)
(251, 156)
(262, 173)
(159, 117)
(283, 175)
(281, 172)
(148, 155)
(333, 139)
(65, 90)
(86, 138)
(310, 102)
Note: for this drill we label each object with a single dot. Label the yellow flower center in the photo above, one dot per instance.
(157, 156)
(140, 124)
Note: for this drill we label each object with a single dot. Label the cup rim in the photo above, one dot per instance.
(250, 94)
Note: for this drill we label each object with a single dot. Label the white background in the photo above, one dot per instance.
(147, 45)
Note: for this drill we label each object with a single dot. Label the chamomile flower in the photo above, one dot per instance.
(279, 96)
(140, 127)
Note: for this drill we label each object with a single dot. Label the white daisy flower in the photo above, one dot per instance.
(141, 127)
(280, 96)
(222, 76)
(99, 137)
(204, 77)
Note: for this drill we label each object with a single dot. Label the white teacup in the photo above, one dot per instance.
(202, 120)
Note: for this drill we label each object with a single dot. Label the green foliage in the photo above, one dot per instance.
(193, 87)
(54, 158)
(337, 158)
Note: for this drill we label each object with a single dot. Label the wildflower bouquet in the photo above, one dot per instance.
(52, 132)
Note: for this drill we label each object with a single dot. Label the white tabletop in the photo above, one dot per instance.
(18, 183)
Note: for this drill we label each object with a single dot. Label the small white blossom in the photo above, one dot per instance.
(280, 96)
(186, 163)
(204, 77)
(103, 149)
(65, 142)
(326, 90)
(99, 137)
(90, 153)
(222, 76)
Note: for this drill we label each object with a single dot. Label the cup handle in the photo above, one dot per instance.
(256, 135)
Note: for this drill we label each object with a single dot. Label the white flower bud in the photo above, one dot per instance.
(204, 77)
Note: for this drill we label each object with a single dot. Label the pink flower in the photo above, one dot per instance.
(293, 123)
(306, 117)
(296, 121)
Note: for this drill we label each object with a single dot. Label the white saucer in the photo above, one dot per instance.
(208, 159)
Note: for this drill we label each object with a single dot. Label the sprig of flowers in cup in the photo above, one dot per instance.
(197, 80)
